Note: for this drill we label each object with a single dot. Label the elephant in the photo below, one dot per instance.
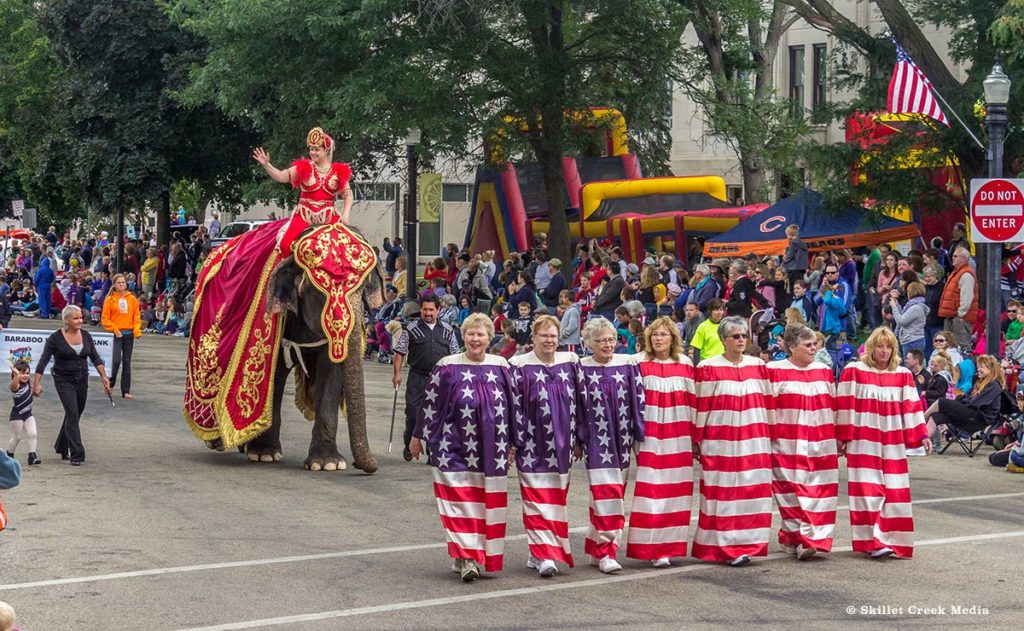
(322, 385)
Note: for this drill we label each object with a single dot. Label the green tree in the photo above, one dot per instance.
(34, 163)
(730, 74)
(128, 139)
(453, 68)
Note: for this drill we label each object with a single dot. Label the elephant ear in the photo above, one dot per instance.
(373, 289)
(283, 288)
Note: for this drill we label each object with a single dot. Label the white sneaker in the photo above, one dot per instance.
(787, 549)
(470, 572)
(662, 562)
(595, 561)
(533, 563)
(740, 561)
(803, 553)
(547, 568)
(609, 565)
(882, 553)
(918, 451)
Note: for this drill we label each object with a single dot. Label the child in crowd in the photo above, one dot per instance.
(464, 309)
(523, 324)
(7, 617)
(22, 419)
(820, 354)
(146, 315)
(506, 346)
(498, 316)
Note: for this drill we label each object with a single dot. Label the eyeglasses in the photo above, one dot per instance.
(738, 336)
(605, 340)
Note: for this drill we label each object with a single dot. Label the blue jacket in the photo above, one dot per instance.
(44, 275)
(10, 471)
(832, 309)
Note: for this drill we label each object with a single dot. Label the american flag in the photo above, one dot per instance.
(910, 92)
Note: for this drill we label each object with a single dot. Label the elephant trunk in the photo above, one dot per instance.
(355, 406)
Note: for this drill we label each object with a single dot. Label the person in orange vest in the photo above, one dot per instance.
(959, 301)
(10, 477)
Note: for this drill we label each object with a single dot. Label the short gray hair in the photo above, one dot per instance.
(796, 333)
(70, 310)
(730, 324)
(739, 265)
(594, 328)
(703, 269)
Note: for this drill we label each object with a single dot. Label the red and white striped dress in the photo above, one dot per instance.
(805, 466)
(659, 521)
(735, 454)
(879, 415)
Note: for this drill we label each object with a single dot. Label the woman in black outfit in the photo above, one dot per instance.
(974, 411)
(70, 347)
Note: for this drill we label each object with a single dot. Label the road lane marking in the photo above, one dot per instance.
(357, 553)
(640, 575)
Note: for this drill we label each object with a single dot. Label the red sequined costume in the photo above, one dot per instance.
(316, 199)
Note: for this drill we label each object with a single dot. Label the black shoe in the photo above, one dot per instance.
(10, 455)
(65, 455)
(76, 463)
(407, 454)
(34, 459)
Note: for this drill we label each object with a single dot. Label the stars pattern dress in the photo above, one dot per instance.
(879, 414)
(544, 434)
(805, 465)
(467, 414)
(735, 454)
(611, 419)
(659, 521)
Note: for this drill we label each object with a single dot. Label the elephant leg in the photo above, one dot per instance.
(267, 446)
(323, 446)
(355, 407)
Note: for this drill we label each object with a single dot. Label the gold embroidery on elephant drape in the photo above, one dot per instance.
(204, 368)
(337, 262)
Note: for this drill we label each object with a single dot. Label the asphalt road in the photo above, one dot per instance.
(156, 532)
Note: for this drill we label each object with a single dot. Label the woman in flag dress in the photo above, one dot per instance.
(611, 423)
(544, 435)
(805, 466)
(731, 440)
(878, 418)
(659, 521)
(469, 407)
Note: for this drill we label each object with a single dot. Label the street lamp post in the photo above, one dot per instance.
(411, 215)
(997, 95)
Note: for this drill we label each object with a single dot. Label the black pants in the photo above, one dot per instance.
(415, 389)
(123, 345)
(964, 417)
(72, 394)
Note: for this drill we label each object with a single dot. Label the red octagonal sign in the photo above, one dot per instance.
(997, 210)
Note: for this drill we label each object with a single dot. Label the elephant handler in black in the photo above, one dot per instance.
(422, 343)
(70, 348)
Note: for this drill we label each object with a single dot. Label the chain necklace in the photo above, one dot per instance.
(323, 172)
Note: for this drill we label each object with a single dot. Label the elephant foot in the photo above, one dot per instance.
(327, 459)
(259, 450)
(216, 444)
(367, 465)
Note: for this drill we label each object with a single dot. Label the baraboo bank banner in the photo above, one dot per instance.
(28, 344)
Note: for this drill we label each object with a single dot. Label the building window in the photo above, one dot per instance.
(376, 191)
(820, 66)
(796, 79)
(429, 238)
(455, 193)
(735, 195)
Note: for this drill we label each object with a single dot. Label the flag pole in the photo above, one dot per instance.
(952, 111)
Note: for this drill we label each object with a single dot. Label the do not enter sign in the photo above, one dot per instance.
(997, 210)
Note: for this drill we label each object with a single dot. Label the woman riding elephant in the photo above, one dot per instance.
(235, 339)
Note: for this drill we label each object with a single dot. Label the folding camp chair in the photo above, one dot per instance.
(970, 442)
